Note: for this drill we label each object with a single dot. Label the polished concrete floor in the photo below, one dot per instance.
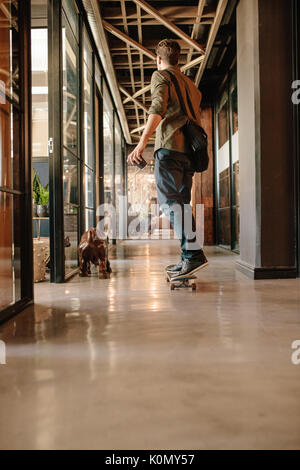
(127, 364)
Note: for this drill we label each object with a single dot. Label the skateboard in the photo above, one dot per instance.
(183, 283)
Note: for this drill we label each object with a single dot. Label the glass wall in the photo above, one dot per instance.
(223, 170)
(39, 64)
(88, 129)
(10, 233)
(99, 192)
(86, 144)
(234, 133)
(108, 138)
(118, 170)
(227, 167)
(71, 147)
(15, 221)
(40, 136)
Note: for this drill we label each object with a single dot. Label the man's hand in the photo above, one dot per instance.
(135, 155)
(152, 123)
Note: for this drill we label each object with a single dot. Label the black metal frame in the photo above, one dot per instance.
(233, 206)
(101, 148)
(93, 96)
(217, 188)
(81, 139)
(225, 87)
(296, 116)
(56, 202)
(78, 156)
(24, 13)
(83, 204)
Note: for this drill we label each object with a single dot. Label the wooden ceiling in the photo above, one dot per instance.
(132, 30)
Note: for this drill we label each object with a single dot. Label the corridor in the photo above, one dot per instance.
(125, 363)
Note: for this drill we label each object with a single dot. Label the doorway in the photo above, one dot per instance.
(227, 167)
(15, 159)
(40, 156)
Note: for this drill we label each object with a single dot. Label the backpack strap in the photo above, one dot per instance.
(180, 97)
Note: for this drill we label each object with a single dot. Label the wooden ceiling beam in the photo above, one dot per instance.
(175, 11)
(154, 22)
(140, 38)
(211, 38)
(104, 51)
(150, 44)
(138, 103)
(168, 24)
(123, 8)
(119, 34)
(195, 30)
(138, 129)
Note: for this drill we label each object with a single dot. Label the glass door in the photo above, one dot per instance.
(40, 157)
(227, 167)
(235, 165)
(108, 138)
(89, 164)
(15, 158)
(99, 150)
(223, 173)
(70, 135)
(64, 137)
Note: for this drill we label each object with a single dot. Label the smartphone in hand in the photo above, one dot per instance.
(141, 164)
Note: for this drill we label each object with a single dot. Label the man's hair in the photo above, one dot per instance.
(169, 51)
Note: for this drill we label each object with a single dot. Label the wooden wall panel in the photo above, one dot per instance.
(203, 185)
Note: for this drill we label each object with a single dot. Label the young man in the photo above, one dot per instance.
(173, 168)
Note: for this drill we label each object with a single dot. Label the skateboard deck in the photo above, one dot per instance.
(184, 282)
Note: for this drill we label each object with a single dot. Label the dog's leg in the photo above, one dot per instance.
(102, 270)
(108, 268)
(80, 264)
(84, 269)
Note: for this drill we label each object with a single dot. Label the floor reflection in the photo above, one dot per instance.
(126, 363)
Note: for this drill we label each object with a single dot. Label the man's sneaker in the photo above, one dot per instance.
(189, 268)
(174, 268)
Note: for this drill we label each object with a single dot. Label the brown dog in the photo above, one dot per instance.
(94, 250)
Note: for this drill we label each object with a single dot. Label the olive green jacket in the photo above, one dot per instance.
(166, 103)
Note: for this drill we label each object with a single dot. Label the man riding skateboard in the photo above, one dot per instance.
(173, 167)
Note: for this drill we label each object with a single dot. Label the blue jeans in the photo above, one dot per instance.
(174, 179)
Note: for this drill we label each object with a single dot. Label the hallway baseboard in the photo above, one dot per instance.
(266, 273)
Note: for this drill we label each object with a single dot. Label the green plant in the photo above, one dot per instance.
(40, 192)
(36, 185)
(44, 195)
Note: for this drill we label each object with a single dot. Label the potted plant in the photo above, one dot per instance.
(43, 207)
(36, 193)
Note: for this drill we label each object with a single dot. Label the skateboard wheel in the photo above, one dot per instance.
(194, 286)
(167, 279)
(172, 287)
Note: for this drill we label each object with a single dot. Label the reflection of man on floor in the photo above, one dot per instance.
(173, 169)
